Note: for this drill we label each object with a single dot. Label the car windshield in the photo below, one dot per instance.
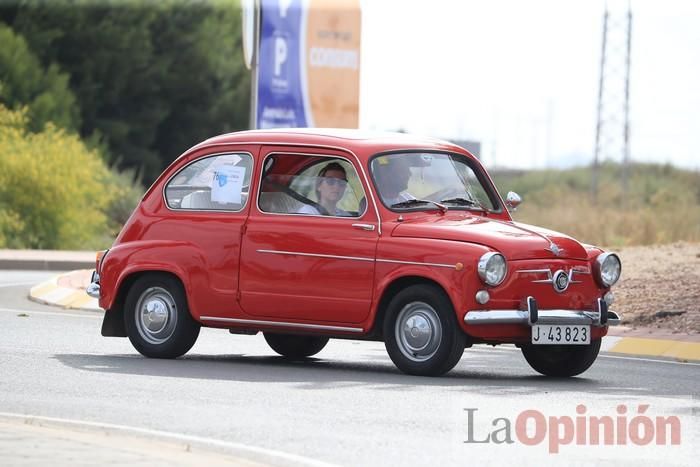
(409, 181)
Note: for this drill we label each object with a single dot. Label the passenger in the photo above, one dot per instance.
(330, 189)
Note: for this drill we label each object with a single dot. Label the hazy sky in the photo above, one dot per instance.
(522, 77)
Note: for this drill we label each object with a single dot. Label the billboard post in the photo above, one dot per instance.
(250, 15)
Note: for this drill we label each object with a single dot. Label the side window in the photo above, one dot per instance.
(215, 183)
(311, 185)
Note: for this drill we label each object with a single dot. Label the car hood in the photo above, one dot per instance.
(514, 240)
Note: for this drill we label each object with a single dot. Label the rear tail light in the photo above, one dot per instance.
(98, 258)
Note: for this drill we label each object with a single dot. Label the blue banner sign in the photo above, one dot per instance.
(308, 66)
(280, 97)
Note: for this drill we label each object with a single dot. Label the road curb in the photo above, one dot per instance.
(43, 264)
(51, 293)
(94, 443)
(46, 260)
(665, 348)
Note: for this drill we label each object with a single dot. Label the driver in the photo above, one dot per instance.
(330, 189)
(392, 175)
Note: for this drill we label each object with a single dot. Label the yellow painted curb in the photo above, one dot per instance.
(69, 299)
(50, 293)
(80, 301)
(658, 348)
(42, 289)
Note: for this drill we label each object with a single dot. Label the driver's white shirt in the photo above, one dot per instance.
(308, 209)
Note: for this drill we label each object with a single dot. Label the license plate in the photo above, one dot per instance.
(560, 334)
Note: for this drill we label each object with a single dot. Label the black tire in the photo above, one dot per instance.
(295, 346)
(167, 330)
(421, 333)
(561, 360)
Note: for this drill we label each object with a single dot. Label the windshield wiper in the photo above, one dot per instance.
(465, 202)
(414, 202)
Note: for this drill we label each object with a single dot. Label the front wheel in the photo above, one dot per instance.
(295, 346)
(421, 333)
(157, 318)
(561, 360)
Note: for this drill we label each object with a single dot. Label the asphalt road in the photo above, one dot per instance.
(348, 406)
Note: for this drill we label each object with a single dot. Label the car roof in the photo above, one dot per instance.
(361, 142)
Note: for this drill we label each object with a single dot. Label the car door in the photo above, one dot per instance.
(306, 266)
(208, 203)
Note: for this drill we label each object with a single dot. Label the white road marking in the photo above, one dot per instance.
(174, 437)
(88, 314)
(649, 360)
(16, 284)
(609, 342)
(619, 388)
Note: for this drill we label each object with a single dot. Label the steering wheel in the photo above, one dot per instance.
(445, 193)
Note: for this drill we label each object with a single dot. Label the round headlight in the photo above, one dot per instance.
(492, 268)
(609, 268)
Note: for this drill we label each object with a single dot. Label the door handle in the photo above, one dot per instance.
(369, 227)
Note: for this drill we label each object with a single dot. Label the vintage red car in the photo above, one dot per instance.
(310, 234)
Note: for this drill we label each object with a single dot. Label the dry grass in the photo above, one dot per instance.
(613, 226)
(662, 204)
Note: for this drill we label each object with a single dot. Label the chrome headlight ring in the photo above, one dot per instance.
(608, 268)
(492, 268)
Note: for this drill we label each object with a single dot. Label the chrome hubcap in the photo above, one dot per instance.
(156, 315)
(418, 331)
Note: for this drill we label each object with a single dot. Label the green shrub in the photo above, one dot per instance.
(127, 192)
(53, 190)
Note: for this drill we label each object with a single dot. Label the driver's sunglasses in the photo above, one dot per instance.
(332, 181)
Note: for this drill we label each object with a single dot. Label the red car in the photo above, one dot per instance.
(310, 234)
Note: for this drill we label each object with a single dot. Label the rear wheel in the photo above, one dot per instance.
(295, 346)
(561, 360)
(421, 333)
(157, 318)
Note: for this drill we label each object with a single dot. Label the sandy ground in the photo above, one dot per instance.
(657, 281)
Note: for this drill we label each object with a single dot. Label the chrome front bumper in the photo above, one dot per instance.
(93, 289)
(600, 317)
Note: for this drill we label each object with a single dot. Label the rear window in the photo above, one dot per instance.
(214, 183)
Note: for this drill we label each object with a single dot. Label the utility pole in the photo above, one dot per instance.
(251, 17)
(612, 138)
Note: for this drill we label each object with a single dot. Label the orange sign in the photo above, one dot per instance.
(332, 62)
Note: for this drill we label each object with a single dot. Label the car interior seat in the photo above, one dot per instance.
(280, 202)
(202, 200)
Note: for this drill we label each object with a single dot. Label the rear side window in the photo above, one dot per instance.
(214, 183)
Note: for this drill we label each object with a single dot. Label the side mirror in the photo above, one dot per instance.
(513, 200)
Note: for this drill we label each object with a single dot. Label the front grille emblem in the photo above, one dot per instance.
(560, 281)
